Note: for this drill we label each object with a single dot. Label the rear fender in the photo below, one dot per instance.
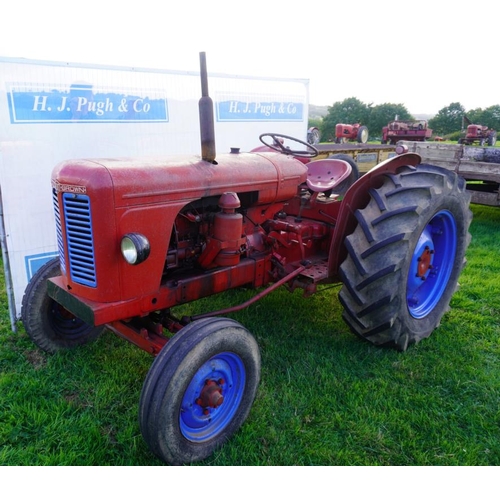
(358, 197)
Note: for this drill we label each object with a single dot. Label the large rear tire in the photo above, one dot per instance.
(362, 136)
(199, 390)
(313, 136)
(51, 326)
(405, 256)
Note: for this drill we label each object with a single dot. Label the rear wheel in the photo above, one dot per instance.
(51, 326)
(405, 256)
(362, 136)
(199, 390)
(313, 135)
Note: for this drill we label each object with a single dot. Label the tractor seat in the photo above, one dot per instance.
(323, 175)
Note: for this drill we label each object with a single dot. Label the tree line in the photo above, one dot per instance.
(449, 120)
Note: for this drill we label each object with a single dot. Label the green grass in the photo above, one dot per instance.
(326, 397)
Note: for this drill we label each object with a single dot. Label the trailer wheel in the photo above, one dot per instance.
(199, 390)
(405, 256)
(342, 188)
(51, 326)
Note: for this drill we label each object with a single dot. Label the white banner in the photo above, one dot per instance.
(50, 112)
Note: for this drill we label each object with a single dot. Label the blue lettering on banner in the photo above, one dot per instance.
(83, 103)
(237, 111)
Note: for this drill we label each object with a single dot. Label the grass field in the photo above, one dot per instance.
(326, 397)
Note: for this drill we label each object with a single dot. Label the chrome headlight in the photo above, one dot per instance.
(135, 248)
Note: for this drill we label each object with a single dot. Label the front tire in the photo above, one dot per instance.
(199, 390)
(405, 256)
(51, 326)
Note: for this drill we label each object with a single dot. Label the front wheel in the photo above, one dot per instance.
(405, 256)
(199, 390)
(51, 326)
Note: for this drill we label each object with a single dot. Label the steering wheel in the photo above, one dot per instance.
(278, 145)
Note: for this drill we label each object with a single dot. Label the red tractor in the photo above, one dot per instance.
(346, 133)
(138, 237)
(406, 130)
(479, 134)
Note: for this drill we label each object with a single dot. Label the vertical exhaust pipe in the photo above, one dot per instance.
(206, 108)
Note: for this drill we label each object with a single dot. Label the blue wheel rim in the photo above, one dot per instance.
(226, 373)
(431, 265)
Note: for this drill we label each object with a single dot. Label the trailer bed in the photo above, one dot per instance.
(366, 156)
(479, 166)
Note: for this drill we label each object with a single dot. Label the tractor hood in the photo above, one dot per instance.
(149, 180)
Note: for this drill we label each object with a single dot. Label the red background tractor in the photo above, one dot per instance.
(479, 134)
(346, 132)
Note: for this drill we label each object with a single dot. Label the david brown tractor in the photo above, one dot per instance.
(345, 133)
(138, 237)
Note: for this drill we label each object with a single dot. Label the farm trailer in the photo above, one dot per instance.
(479, 166)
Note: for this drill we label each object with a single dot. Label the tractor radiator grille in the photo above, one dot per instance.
(60, 242)
(80, 240)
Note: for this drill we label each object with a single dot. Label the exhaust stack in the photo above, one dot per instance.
(206, 108)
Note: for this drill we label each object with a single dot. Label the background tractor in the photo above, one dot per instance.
(345, 133)
(139, 237)
(479, 134)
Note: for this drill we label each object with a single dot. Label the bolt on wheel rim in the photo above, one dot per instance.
(212, 397)
(431, 264)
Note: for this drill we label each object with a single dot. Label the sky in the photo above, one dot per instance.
(424, 54)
